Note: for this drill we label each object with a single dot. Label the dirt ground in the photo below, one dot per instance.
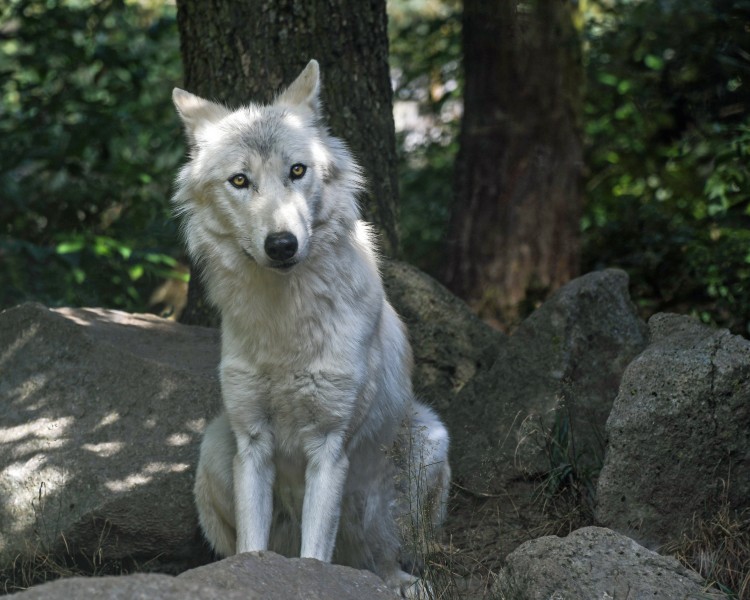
(481, 530)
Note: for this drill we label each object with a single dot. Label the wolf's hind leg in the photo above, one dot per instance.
(429, 471)
(425, 484)
(214, 486)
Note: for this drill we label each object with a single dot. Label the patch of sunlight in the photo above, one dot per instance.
(108, 419)
(26, 487)
(179, 439)
(22, 340)
(104, 449)
(73, 315)
(127, 484)
(196, 425)
(26, 390)
(38, 445)
(145, 476)
(160, 467)
(44, 427)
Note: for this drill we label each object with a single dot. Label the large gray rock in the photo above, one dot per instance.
(594, 563)
(273, 576)
(131, 587)
(679, 429)
(450, 343)
(101, 414)
(255, 576)
(563, 364)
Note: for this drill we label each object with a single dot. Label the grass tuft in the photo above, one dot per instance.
(718, 548)
(567, 491)
(49, 557)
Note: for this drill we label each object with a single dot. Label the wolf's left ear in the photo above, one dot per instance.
(196, 113)
(304, 92)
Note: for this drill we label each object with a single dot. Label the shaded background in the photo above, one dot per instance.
(90, 143)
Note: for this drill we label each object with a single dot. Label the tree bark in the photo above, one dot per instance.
(514, 229)
(248, 50)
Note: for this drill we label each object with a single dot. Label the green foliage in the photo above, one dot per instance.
(89, 145)
(425, 58)
(668, 133)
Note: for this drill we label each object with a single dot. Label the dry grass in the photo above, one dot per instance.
(48, 556)
(461, 565)
(483, 528)
(719, 550)
(39, 566)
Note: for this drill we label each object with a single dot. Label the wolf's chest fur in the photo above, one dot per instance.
(295, 357)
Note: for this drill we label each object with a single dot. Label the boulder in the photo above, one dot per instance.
(101, 414)
(273, 576)
(594, 563)
(131, 587)
(449, 342)
(559, 371)
(679, 432)
(252, 576)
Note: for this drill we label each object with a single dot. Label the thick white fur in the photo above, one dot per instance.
(322, 450)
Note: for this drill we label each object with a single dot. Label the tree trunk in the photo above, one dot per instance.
(241, 51)
(514, 229)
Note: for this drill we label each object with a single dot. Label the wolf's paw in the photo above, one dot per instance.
(411, 587)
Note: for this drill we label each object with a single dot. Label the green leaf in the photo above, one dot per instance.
(654, 62)
(125, 251)
(135, 272)
(69, 247)
(608, 79)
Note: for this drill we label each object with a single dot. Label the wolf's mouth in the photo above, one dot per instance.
(285, 266)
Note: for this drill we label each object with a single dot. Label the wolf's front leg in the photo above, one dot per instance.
(253, 490)
(326, 473)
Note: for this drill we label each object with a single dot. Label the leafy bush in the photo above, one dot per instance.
(89, 144)
(668, 144)
(425, 59)
(88, 147)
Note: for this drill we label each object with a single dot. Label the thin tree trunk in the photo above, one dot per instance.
(514, 229)
(247, 50)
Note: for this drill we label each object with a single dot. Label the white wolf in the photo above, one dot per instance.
(322, 450)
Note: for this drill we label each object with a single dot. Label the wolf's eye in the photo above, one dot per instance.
(297, 171)
(239, 181)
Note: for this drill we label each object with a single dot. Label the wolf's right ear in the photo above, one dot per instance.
(196, 112)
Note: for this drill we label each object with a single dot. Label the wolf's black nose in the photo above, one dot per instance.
(281, 246)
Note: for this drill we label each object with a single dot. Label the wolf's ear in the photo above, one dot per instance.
(304, 92)
(196, 112)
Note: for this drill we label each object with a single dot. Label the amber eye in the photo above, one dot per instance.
(297, 171)
(239, 181)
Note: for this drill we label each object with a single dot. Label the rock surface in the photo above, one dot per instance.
(450, 343)
(597, 564)
(679, 429)
(130, 587)
(255, 576)
(273, 576)
(563, 363)
(101, 414)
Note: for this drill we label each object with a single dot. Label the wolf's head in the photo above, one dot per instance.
(266, 184)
